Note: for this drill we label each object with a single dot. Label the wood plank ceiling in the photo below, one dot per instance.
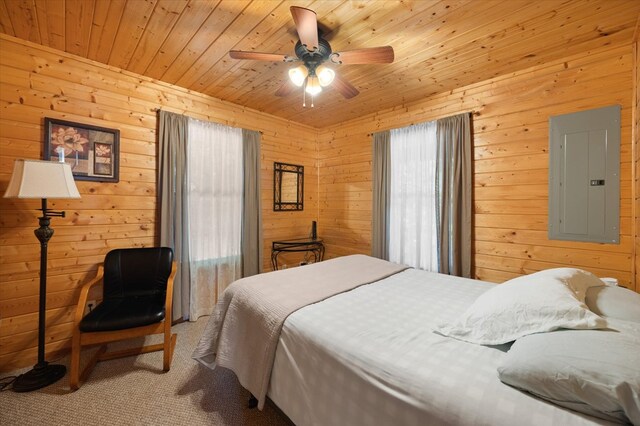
(439, 44)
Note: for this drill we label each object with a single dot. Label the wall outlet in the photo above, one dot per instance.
(91, 304)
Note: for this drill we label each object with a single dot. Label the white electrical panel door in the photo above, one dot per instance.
(584, 176)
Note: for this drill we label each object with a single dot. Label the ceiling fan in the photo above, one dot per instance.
(314, 52)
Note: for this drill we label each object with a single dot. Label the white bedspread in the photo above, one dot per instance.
(369, 357)
(243, 332)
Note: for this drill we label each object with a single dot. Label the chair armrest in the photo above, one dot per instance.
(84, 293)
(168, 302)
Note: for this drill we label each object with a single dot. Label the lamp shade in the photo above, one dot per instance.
(325, 75)
(313, 86)
(298, 75)
(41, 179)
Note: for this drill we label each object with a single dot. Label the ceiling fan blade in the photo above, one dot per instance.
(370, 55)
(257, 56)
(324, 31)
(344, 87)
(306, 25)
(285, 89)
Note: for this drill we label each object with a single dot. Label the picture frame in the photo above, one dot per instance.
(92, 152)
(288, 187)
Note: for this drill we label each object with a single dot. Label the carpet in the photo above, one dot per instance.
(135, 391)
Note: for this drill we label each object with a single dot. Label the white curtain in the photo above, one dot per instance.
(215, 187)
(412, 212)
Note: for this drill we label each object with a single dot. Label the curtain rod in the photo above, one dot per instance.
(472, 113)
(208, 119)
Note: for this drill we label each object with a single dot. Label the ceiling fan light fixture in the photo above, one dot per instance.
(313, 85)
(312, 51)
(298, 75)
(325, 75)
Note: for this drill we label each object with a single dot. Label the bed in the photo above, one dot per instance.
(365, 352)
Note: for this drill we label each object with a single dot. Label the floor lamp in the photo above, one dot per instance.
(41, 179)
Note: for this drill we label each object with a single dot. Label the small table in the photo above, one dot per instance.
(316, 247)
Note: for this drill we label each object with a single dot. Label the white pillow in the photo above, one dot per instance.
(614, 302)
(592, 371)
(536, 303)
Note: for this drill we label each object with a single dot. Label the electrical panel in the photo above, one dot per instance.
(584, 176)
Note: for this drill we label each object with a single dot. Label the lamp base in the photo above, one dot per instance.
(41, 375)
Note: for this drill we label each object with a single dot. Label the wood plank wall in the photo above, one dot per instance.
(38, 82)
(510, 182)
(636, 156)
(510, 127)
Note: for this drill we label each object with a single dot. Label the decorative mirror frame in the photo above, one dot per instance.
(287, 205)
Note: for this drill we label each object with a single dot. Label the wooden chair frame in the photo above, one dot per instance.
(81, 339)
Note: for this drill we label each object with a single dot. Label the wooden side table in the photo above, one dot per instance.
(309, 245)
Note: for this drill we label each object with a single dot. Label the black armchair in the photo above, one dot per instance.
(137, 301)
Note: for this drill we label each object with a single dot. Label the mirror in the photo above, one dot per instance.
(288, 185)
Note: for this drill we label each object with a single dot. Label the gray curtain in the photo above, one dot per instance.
(172, 192)
(453, 195)
(252, 212)
(381, 193)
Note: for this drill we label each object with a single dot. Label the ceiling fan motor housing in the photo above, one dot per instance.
(313, 58)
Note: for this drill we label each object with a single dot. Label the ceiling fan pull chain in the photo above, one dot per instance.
(311, 101)
(304, 93)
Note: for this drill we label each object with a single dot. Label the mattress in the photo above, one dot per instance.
(369, 357)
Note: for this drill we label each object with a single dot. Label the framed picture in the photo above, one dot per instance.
(91, 151)
(288, 187)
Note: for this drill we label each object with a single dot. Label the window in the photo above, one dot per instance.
(215, 198)
(412, 210)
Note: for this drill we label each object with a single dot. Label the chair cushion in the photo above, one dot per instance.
(122, 313)
(136, 272)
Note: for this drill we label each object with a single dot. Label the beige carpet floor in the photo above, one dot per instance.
(135, 391)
